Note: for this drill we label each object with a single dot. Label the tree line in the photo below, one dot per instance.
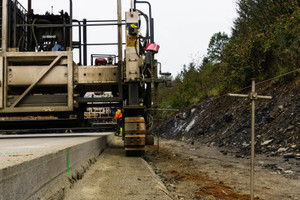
(265, 42)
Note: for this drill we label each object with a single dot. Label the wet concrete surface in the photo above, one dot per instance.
(41, 167)
(15, 150)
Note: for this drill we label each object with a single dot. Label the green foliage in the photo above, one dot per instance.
(265, 39)
(265, 42)
(216, 46)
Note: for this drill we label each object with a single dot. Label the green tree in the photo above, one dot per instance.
(215, 48)
(265, 42)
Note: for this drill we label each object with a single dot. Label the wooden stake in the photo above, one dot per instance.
(253, 97)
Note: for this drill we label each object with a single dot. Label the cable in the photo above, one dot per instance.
(150, 122)
(271, 79)
(147, 22)
(279, 76)
(33, 33)
(135, 46)
(22, 38)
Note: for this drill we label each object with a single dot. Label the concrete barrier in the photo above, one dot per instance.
(47, 176)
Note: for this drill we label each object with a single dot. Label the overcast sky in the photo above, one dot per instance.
(182, 28)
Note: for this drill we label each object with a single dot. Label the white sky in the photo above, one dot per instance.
(182, 28)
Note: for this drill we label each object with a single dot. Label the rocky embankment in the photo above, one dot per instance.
(226, 122)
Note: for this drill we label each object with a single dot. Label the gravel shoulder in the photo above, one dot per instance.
(201, 172)
(115, 176)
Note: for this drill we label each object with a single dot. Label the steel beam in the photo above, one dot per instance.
(84, 43)
(36, 82)
(4, 24)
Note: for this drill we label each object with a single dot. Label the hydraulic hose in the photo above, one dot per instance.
(147, 22)
(33, 33)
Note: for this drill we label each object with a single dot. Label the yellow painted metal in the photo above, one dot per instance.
(31, 69)
(98, 74)
(134, 140)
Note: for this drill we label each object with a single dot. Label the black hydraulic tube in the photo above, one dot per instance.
(144, 2)
(152, 30)
(84, 43)
(150, 16)
(80, 42)
(147, 21)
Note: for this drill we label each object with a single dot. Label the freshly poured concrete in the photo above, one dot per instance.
(29, 165)
(17, 150)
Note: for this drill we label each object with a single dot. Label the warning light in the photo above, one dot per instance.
(153, 47)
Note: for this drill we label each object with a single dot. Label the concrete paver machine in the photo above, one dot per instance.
(40, 78)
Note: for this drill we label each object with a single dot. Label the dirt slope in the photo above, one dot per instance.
(225, 122)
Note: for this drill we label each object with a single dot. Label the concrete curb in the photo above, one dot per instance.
(47, 176)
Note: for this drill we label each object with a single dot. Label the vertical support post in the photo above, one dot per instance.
(29, 21)
(152, 30)
(15, 24)
(29, 8)
(80, 43)
(4, 49)
(2, 85)
(133, 93)
(253, 96)
(84, 43)
(252, 140)
(4, 25)
(70, 80)
(120, 40)
(71, 28)
(132, 6)
(120, 49)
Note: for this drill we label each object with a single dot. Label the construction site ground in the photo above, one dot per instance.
(198, 171)
(180, 170)
(115, 176)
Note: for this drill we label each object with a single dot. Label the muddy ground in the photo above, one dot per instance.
(198, 171)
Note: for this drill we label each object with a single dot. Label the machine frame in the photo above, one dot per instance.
(50, 83)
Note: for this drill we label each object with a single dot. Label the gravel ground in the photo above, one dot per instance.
(201, 172)
(183, 171)
(115, 176)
